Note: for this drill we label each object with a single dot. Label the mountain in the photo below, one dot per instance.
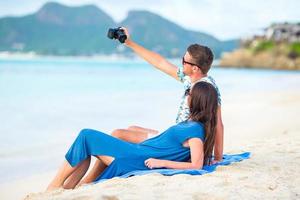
(162, 35)
(57, 29)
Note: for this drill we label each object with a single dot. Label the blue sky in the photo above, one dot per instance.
(224, 19)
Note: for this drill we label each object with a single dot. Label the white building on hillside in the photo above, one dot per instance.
(283, 32)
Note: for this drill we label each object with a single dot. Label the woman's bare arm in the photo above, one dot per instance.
(196, 147)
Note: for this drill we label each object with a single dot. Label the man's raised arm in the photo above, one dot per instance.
(151, 57)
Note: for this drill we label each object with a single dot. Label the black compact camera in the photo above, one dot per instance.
(117, 33)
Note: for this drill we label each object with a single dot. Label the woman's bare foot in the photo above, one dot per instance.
(52, 187)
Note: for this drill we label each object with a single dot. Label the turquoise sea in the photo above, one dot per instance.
(44, 102)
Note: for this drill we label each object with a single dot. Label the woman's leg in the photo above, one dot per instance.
(66, 171)
(63, 173)
(79, 153)
(77, 175)
(132, 134)
(97, 169)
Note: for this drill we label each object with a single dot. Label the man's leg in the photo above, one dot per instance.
(134, 134)
(130, 135)
(143, 130)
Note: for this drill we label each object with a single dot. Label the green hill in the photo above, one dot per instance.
(165, 36)
(57, 29)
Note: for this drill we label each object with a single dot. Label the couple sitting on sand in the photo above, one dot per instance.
(187, 145)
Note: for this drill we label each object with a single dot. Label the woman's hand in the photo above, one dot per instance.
(154, 163)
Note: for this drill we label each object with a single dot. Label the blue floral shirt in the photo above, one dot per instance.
(184, 112)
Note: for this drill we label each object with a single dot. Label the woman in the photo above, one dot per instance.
(187, 145)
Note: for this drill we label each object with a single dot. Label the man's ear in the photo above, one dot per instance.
(196, 69)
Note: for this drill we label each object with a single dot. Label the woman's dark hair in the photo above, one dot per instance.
(203, 108)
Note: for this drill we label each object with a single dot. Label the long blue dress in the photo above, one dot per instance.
(129, 156)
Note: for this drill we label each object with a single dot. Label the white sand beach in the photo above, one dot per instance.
(266, 124)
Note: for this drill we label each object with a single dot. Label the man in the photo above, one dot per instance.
(196, 63)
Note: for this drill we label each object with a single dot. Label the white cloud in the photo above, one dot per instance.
(224, 19)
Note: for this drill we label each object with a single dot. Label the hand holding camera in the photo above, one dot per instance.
(119, 33)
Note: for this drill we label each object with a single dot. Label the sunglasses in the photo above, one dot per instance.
(186, 62)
